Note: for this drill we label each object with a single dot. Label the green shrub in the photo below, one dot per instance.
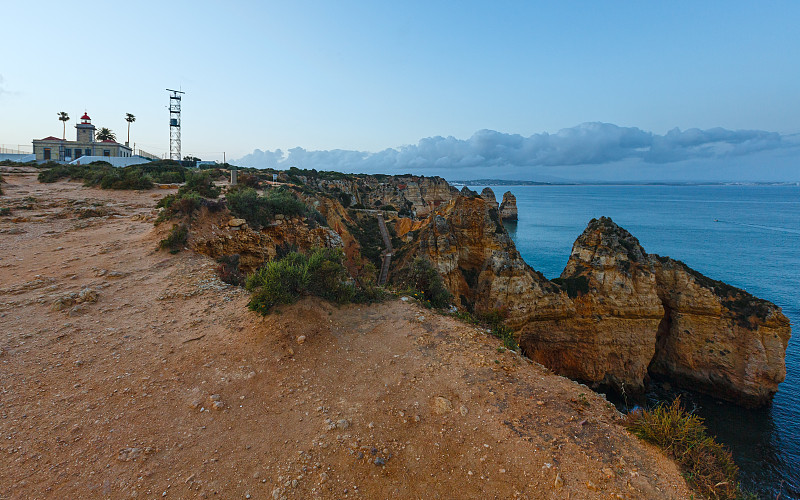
(245, 203)
(421, 276)
(200, 183)
(275, 283)
(54, 174)
(281, 201)
(102, 174)
(5, 211)
(707, 465)
(327, 276)
(283, 281)
(175, 241)
(178, 205)
(259, 211)
(249, 180)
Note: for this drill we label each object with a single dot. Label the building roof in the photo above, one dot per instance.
(85, 116)
(108, 140)
(51, 138)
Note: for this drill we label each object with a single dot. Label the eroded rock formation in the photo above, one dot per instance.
(412, 194)
(488, 195)
(508, 208)
(716, 338)
(617, 315)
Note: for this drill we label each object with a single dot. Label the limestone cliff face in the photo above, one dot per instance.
(418, 195)
(616, 315)
(481, 267)
(488, 195)
(211, 235)
(611, 338)
(652, 315)
(508, 208)
(716, 338)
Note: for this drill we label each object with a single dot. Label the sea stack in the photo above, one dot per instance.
(508, 209)
(640, 315)
(488, 195)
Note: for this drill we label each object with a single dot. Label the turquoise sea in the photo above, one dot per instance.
(745, 235)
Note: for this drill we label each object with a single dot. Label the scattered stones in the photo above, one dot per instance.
(342, 424)
(86, 295)
(442, 405)
(558, 483)
(128, 454)
(300, 339)
(379, 461)
(463, 410)
(237, 222)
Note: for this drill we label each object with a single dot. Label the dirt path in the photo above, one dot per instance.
(131, 373)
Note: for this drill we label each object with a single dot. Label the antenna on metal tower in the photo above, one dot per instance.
(175, 124)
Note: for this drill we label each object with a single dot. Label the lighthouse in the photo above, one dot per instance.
(85, 129)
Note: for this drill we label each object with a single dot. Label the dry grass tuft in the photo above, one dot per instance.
(706, 464)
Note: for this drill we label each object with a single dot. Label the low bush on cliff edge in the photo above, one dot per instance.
(421, 277)
(283, 281)
(707, 465)
(176, 238)
(199, 190)
(258, 211)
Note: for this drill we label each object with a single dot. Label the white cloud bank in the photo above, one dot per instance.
(626, 151)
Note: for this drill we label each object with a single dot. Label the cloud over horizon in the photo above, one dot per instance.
(588, 144)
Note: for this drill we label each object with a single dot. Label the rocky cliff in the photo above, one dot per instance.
(613, 288)
(617, 315)
(508, 208)
(467, 244)
(410, 194)
(716, 338)
(488, 195)
(218, 235)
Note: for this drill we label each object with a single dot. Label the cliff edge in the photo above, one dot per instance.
(617, 315)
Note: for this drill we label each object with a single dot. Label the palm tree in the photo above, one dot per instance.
(105, 134)
(130, 119)
(64, 117)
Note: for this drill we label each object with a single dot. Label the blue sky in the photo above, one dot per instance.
(367, 76)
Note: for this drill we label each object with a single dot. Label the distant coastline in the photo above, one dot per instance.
(505, 182)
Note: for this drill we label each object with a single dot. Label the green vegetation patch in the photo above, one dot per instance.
(175, 241)
(707, 465)
(245, 203)
(104, 175)
(425, 283)
(283, 281)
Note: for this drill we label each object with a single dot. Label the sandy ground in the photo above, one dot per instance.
(127, 372)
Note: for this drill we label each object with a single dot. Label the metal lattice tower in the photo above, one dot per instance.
(175, 124)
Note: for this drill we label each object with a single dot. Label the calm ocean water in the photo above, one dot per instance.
(754, 245)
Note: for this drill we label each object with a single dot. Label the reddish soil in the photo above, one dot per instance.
(158, 382)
